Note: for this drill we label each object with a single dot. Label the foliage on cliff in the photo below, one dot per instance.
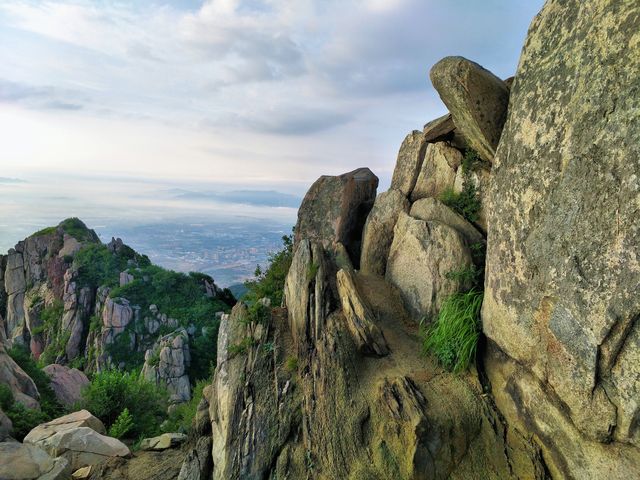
(269, 282)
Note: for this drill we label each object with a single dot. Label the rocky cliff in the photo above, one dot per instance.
(542, 171)
(71, 300)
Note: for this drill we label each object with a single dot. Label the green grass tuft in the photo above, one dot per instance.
(453, 337)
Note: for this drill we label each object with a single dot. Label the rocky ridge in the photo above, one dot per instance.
(334, 386)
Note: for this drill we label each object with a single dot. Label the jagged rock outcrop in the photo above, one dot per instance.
(335, 387)
(66, 383)
(377, 235)
(437, 171)
(410, 158)
(477, 100)
(335, 209)
(166, 364)
(361, 321)
(562, 306)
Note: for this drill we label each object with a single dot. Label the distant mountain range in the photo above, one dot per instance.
(11, 180)
(267, 198)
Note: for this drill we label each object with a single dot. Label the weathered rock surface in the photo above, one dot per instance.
(335, 208)
(197, 464)
(561, 305)
(432, 210)
(361, 321)
(438, 171)
(378, 230)
(438, 129)
(80, 445)
(410, 159)
(147, 465)
(477, 100)
(67, 383)
(25, 462)
(421, 256)
(81, 418)
(167, 363)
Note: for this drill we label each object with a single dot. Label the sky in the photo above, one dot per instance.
(266, 94)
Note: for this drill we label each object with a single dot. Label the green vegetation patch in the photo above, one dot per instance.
(453, 337)
(111, 392)
(269, 283)
(25, 419)
(181, 417)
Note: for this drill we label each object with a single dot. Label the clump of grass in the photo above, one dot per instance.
(291, 364)
(453, 337)
(466, 203)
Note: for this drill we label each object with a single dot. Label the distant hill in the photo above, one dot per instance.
(238, 290)
(267, 198)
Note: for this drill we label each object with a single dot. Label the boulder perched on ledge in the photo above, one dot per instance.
(477, 100)
(335, 209)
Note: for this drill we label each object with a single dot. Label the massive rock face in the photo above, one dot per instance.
(563, 265)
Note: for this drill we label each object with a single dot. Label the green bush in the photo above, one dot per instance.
(111, 391)
(122, 425)
(24, 419)
(181, 417)
(453, 337)
(466, 203)
(6, 397)
(270, 282)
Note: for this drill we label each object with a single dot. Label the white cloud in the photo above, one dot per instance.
(294, 82)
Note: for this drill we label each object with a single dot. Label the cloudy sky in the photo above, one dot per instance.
(267, 93)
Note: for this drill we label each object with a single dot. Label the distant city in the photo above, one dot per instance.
(229, 252)
(220, 231)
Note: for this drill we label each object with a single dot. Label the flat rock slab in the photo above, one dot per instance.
(162, 442)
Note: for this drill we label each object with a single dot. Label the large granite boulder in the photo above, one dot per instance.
(477, 100)
(430, 210)
(378, 230)
(561, 304)
(76, 437)
(81, 418)
(421, 256)
(26, 462)
(335, 209)
(66, 383)
(409, 161)
(438, 171)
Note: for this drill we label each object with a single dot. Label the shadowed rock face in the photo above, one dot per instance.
(335, 209)
(563, 263)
